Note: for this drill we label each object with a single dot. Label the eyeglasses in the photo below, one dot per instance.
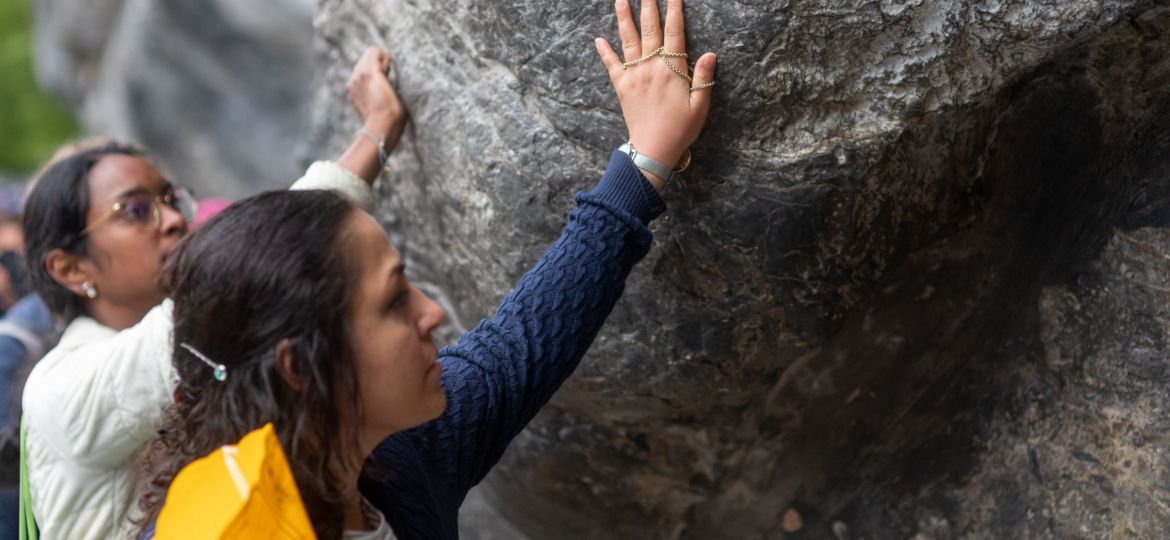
(143, 209)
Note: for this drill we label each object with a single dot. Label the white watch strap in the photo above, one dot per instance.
(647, 164)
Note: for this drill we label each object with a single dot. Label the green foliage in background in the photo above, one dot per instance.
(32, 124)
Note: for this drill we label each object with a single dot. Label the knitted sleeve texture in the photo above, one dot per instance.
(501, 373)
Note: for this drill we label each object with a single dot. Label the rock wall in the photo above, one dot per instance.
(218, 89)
(912, 285)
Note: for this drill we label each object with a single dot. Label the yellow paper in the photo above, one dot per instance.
(242, 491)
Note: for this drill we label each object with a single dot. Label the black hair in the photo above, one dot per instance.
(54, 216)
(267, 269)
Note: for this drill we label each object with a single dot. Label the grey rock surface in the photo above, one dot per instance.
(862, 307)
(217, 89)
(914, 285)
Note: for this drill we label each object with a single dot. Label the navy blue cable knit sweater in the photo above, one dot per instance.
(501, 373)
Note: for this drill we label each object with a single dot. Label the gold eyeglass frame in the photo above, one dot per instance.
(157, 201)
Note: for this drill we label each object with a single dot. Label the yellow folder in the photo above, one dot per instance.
(241, 491)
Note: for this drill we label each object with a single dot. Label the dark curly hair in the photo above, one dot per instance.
(54, 216)
(270, 268)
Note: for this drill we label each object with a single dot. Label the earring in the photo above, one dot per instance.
(90, 290)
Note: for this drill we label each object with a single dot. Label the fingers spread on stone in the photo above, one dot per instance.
(651, 26)
(674, 34)
(631, 43)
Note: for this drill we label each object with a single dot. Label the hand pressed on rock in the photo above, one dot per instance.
(382, 114)
(374, 99)
(664, 112)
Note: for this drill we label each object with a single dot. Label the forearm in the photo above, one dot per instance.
(361, 158)
(543, 328)
(500, 374)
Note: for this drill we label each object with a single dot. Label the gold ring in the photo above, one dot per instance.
(702, 86)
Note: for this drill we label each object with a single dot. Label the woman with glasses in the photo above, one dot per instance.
(98, 225)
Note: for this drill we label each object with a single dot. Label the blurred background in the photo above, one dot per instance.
(32, 123)
(217, 90)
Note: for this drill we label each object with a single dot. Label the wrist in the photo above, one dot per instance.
(378, 125)
(388, 127)
(657, 173)
(658, 152)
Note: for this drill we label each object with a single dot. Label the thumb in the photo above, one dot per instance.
(609, 59)
(704, 80)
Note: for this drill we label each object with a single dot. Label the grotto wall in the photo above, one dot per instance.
(912, 285)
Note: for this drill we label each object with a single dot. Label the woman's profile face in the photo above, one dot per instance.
(127, 255)
(396, 358)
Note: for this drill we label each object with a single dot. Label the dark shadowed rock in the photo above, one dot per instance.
(880, 297)
(914, 285)
(218, 89)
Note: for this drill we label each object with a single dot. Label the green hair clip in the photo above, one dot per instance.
(220, 371)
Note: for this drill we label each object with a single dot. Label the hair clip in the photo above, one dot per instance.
(220, 371)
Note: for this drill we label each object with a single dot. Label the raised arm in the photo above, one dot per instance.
(383, 117)
(499, 375)
(383, 120)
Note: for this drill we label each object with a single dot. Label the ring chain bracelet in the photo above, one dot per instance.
(662, 53)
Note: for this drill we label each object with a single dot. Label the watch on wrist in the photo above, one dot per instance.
(654, 167)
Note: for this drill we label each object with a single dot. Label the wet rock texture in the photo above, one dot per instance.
(913, 286)
(217, 89)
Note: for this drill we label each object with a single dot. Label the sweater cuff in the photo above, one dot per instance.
(625, 188)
